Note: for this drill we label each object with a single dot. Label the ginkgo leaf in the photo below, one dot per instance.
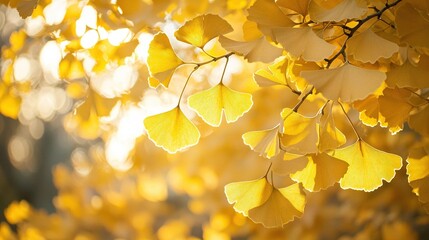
(369, 111)
(265, 142)
(330, 137)
(412, 25)
(10, 102)
(71, 68)
(321, 172)
(209, 104)
(368, 166)
(303, 42)
(171, 130)
(346, 9)
(419, 121)
(275, 74)
(347, 82)
(248, 194)
(289, 164)
(268, 15)
(369, 47)
(299, 6)
(256, 50)
(408, 75)
(202, 29)
(418, 172)
(282, 206)
(300, 135)
(395, 108)
(160, 48)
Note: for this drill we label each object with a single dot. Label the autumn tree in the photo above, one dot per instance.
(200, 118)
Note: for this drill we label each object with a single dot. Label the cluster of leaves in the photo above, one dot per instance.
(334, 58)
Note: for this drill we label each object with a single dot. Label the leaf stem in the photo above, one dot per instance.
(298, 105)
(184, 87)
(350, 121)
(224, 70)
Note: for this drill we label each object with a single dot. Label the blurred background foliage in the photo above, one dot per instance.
(76, 163)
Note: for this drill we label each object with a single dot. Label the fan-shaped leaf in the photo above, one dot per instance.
(172, 130)
(160, 48)
(369, 47)
(256, 50)
(418, 173)
(368, 166)
(348, 82)
(303, 42)
(300, 135)
(282, 206)
(247, 195)
(209, 104)
(202, 29)
(330, 137)
(346, 9)
(413, 26)
(265, 142)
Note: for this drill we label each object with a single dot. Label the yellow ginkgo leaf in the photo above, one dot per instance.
(17, 212)
(300, 135)
(172, 130)
(330, 137)
(256, 50)
(209, 104)
(418, 172)
(321, 172)
(202, 29)
(10, 103)
(348, 82)
(265, 142)
(24, 7)
(369, 47)
(346, 9)
(369, 111)
(303, 42)
(275, 74)
(299, 6)
(408, 75)
(282, 206)
(268, 15)
(368, 166)
(160, 48)
(248, 194)
(395, 107)
(412, 25)
(71, 68)
(419, 121)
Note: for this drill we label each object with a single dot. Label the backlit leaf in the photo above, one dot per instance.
(202, 29)
(321, 172)
(418, 173)
(248, 194)
(209, 104)
(299, 6)
(256, 50)
(413, 26)
(408, 75)
(275, 74)
(265, 142)
(347, 82)
(160, 48)
(282, 206)
(419, 121)
(300, 135)
(369, 47)
(368, 166)
(303, 42)
(346, 9)
(172, 130)
(268, 15)
(330, 137)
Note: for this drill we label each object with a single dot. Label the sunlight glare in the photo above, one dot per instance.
(118, 36)
(50, 57)
(54, 13)
(114, 83)
(22, 70)
(89, 39)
